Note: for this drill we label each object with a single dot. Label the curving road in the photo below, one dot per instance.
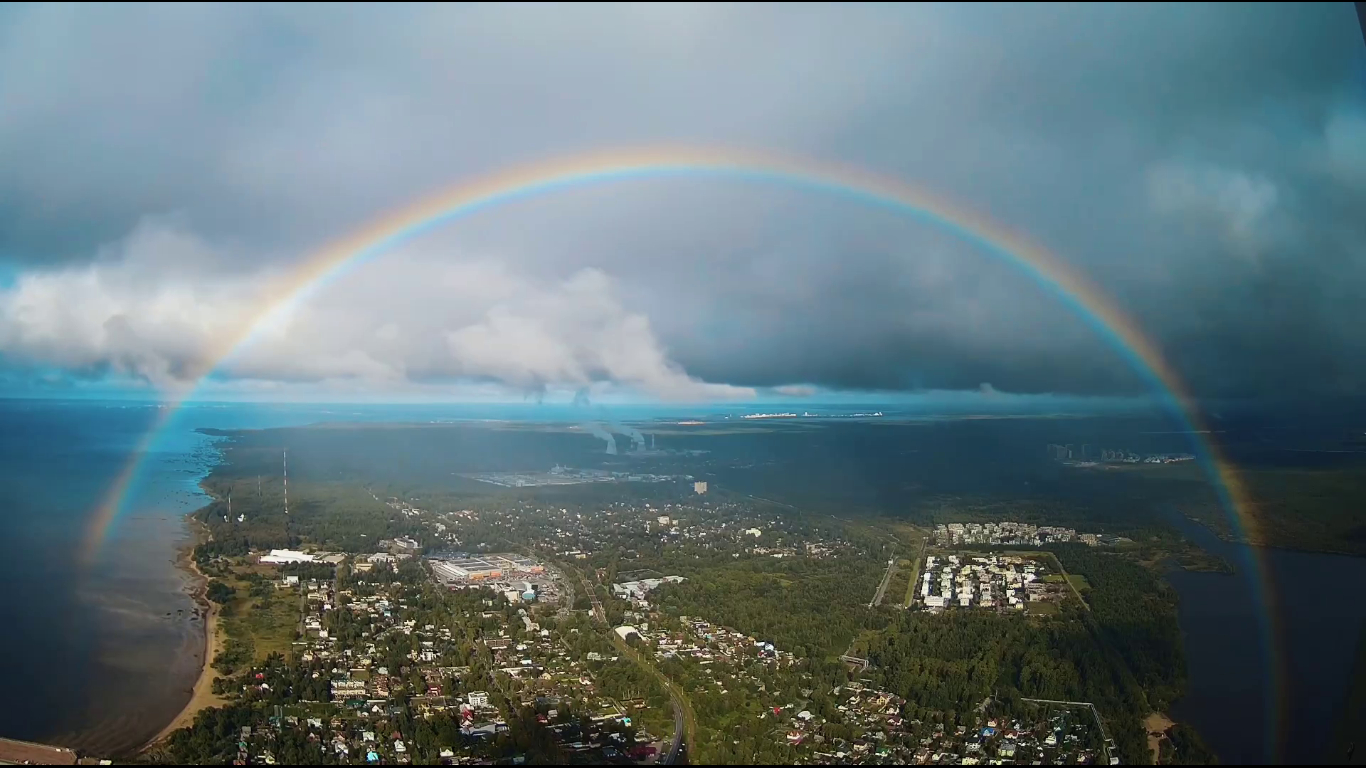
(675, 753)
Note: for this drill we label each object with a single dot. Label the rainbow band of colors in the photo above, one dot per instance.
(1052, 275)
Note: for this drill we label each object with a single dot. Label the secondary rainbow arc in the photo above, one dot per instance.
(1050, 273)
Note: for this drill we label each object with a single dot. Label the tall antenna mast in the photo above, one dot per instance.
(286, 465)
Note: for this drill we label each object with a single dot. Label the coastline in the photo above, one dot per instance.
(1157, 724)
(202, 696)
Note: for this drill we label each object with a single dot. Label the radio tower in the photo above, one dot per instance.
(286, 465)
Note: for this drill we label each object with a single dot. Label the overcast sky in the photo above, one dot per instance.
(160, 165)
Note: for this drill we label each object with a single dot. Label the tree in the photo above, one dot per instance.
(220, 592)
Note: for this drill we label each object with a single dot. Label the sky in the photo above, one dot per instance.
(160, 166)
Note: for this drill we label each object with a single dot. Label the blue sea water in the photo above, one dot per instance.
(104, 657)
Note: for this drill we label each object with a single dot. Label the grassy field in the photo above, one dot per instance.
(269, 620)
(900, 585)
(1042, 608)
(914, 539)
(1079, 582)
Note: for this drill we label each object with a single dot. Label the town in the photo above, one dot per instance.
(1007, 533)
(854, 723)
(380, 652)
(1091, 456)
(1008, 582)
(544, 632)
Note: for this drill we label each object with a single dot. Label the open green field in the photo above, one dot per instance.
(900, 585)
(1078, 581)
(268, 620)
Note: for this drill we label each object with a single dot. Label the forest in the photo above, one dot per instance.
(340, 516)
(811, 607)
(1135, 614)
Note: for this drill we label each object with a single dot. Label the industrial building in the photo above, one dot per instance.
(637, 590)
(483, 567)
(281, 556)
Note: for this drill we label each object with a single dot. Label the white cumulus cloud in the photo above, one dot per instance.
(160, 306)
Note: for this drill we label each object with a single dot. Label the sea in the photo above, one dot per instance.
(102, 656)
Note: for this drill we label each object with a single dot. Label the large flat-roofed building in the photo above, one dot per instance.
(281, 556)
(482, 567)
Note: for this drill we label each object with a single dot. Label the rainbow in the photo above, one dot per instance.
(1085, 300)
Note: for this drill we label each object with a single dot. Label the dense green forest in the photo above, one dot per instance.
(812, 607)
(1135, 614)
(1312, 509)
(1185, 747)
(954, 661)
(341, 516)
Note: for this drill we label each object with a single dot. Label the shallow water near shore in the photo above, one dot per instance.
(105, 657)
(101, 654)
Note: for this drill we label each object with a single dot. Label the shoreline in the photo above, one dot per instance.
(1157, 724)
(201, 696)
(1239, 540)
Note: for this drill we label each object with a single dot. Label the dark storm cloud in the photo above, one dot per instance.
(1205, 164)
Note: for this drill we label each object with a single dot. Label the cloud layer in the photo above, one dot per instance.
(156, 305)
(1206, 165)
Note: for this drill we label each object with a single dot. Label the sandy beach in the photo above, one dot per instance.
(203, 696)
(1157, 725)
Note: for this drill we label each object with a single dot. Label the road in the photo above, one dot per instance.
(676, 751)
(598, 612)
(682, 708)
(916, 565)
(772, 501)
(683, 718)
(886, 579)
(1067, 578)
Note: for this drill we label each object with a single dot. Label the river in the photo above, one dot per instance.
(1321, 617)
